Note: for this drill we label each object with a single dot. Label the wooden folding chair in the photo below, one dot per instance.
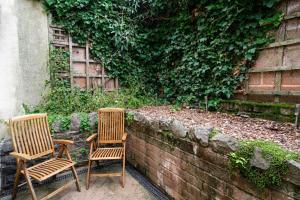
(31, 140)
(110, 132)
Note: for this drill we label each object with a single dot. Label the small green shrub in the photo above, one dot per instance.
(129, 117)
(60, 98)
(84, 123)
(65, 122)
(175, 107)
(262, 178)
(213, 133)
(83, 151)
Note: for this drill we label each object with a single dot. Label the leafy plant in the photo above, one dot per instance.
(213, 133)
(129, 118)
(179, 50)
(83, 151)
(175, 108)
(61, 99)
(262, 178)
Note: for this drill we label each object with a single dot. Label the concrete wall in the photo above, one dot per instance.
(23, 56)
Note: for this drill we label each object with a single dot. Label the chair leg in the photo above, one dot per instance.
(33, 195)
(76, 178)
(123, 172)
(16, 182)
(88, 176)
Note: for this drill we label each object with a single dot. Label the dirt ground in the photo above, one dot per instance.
(243, 128)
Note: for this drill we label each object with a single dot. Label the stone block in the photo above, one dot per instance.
(200, 134)
(224, 144)
(259, 160)
(56, 126)
(178, 129)
(75, 122)
(293, 174)
(93, 119)
(165, 124)
(6, 146)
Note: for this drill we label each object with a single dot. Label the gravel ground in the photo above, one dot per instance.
(242, 128)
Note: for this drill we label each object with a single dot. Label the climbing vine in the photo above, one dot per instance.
(60, 99)
(179, 50)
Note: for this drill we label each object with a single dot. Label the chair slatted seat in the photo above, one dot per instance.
(110, 132)
(107, 153)
(44, 170)
(31, 140)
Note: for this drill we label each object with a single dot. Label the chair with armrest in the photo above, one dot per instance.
(110, 133)
(31, 140)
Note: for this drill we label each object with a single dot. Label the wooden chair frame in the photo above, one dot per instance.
(31, 140)
(110, 131)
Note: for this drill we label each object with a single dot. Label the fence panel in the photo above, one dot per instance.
(85, 72)
(276, 72)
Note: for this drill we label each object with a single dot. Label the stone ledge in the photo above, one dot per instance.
(194, 141)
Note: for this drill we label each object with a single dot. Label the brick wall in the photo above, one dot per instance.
(187, 168)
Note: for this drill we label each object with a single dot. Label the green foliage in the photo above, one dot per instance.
(129, 118)
(178, 50)
(60, 98)
(262, 178)
(84, 123)
(213, 133)
(175, 107)
(64, 122)
(83, 151)
(58, 63)
(272, 111)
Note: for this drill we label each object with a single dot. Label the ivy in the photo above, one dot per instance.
(241, 159)
(180, 50)
(60, 98)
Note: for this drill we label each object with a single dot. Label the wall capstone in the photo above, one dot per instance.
(294, 172)
(75, 122)
(178, 129)
(200, 134)
(259, 160)
(224, 144)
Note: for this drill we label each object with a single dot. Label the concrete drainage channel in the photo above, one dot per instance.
(6, 195)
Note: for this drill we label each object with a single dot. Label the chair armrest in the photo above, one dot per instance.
(124, 137)
(66, 142)
(21, 156)
(91, 138)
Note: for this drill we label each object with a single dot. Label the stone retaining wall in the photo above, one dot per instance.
(187, 164)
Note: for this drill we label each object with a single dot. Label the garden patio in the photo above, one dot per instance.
(184, 100)
(107, 188)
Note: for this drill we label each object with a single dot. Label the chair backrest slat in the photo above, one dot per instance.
(31, 135)
(110, 125)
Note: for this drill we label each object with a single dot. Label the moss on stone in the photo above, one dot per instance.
(213, 133)
(273, 111)
(241, 159)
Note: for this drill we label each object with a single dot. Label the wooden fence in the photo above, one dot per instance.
(85, 72)
(275, 75)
